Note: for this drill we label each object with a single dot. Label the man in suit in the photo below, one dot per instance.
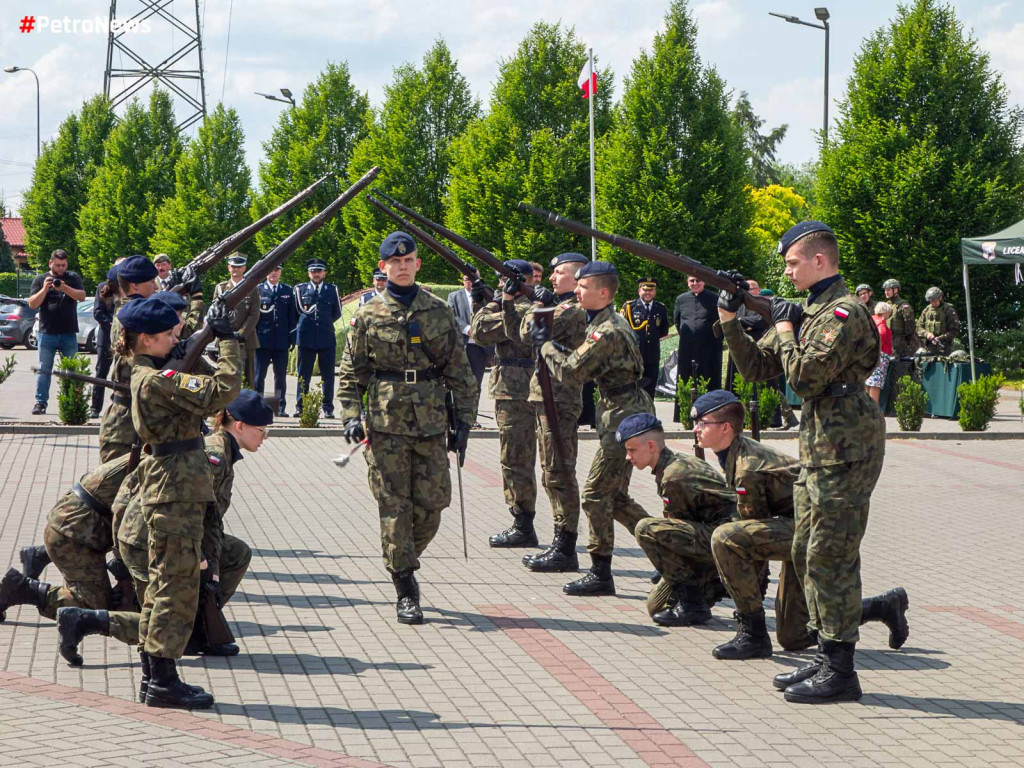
(694, 316)
(276, 332)
(380, 281)
(649, 320)
(245, 317)
(461, 303)
(319, 306)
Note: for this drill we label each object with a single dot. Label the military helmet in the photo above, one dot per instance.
(892, 282)
(863, 287)
(933, 293)
(959, 356)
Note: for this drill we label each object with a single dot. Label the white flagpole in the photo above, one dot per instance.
(593, 188)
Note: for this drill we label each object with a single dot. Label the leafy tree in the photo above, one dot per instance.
(424, 110)
(801, 177)
(926, 151)
(211, 190)
(6, 258)
(311, 140)
(135, 177)
(673, 170)
(761, 147)
(61, 179)
(533, 145)
(776, 209)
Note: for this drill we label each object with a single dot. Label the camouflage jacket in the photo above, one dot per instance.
(510, 380)
(89, 524)
(901, 323)
(943, 322)
(691, 490)
(762, 478)
(838, 344)
(386, 336)
(193, 318)
(245, 317)
(610, 357)
(569, 328)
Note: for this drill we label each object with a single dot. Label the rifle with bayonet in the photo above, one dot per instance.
(669, 259)
(273, 259)
(96, 382)
(213, 255)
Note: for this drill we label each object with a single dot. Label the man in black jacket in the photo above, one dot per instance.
(694, 316)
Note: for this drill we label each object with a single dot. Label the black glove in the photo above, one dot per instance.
(539, 333)
(118, 569)
(218, 318)
(114, 598)
(353, 431)
(191, 281)
(785, 311)
(458, 440)
(179, 350)
(544, 295)
(211, 587)
(732, 301)
(510, 285)
(477, 291)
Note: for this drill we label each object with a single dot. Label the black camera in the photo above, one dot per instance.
(57, 282)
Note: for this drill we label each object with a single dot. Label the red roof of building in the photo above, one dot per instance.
(14, 231)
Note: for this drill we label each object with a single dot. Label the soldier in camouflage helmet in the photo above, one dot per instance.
(826, 349)
(938, 324)
(510, 388)
(404, 350)
(901, 321)
(865, 294)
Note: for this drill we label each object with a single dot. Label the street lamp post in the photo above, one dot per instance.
(822, 15)
(26, 69)
(288, 99)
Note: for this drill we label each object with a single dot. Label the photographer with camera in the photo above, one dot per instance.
(56, 295)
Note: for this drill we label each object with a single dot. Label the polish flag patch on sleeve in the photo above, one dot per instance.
(168, 374)
(352, 321)
(665, 499)
(741, 491)
(214, 460)
(841, 312)
(596, 335)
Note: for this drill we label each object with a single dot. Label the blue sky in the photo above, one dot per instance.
(285, 43)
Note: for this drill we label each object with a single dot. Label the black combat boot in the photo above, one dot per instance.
(73, 624)
(165, 688)
(751, 641)
(16, 589)
(784, 680)
(34, 560)
(836, 680)
(408, 608)
(559, 557)
(595, 582)
(520, 534)
(690, 609)
(891, 609)
(146, 672)
(791, 420)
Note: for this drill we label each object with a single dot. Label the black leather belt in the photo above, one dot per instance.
(839, 390)
(620, 390)
(178, 446)
(515, 362)
(121, 399)
(409, 376)
(90, 501)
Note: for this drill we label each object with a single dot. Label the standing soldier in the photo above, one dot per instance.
(319, 306)
(245, 317)
(497, 322)
(276, 332)
(380, 280)
(901, 322)
(609, 356)
(649, 320)
(938, 324)
(404, 349)
(865, 296)
(842, 443)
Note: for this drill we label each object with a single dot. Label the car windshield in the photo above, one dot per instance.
(85, 306)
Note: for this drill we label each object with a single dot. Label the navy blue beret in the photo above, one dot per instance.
(174, 300)
(379, 274)
(251, 409)
(237, 260)
(595, 268)
(147, 316)
(520, 265)
(112, 273)
(637, 424)
(711, 402)
(137, 269)
(800, 231)
(569, 258)
(315, 263)
(396, 244)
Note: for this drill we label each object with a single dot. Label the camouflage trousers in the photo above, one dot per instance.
(86, 584)
(560, 484)
(517, 445)
(831, 505)
(677, 548)
(410, 481)
(606, 496)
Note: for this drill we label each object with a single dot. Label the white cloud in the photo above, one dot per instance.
(718, 19)
(1006, 47)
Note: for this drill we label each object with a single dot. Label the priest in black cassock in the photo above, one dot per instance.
(694, 316)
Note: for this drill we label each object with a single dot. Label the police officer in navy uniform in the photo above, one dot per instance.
(319, 306)
(380, 281)
(276, 331)
(649, 320)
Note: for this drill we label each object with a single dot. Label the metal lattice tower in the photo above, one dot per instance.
(133, 48)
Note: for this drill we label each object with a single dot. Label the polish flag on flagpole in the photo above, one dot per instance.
(587, 80)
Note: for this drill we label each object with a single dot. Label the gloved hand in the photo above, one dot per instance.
(732, 301)
(211, 587)
(510, 285)
(353, 431)
(179, 350)
(219, 319)
(785, 311)
(458, 440)
(118, 569)
(539, 333)
(477, 291)
(191, 281)
(544, 295)
(114, 598)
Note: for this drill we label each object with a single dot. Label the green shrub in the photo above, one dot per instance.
(9, 283)
(910, 404)
(978, 400)
(7, 369)
(685, 402)
(312, 402)
(1003, 350)
(768, 402)
(72, 403)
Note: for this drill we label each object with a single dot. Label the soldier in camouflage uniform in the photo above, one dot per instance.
(404, 349)
(938, 324)
(609, 356)
(826, 349)
(510, 388)
(245, 318)
(901, 322)
(679, 542)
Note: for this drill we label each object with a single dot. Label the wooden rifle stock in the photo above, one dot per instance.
(96, 382)
(545, 317)
(668, 259)
(755, 417)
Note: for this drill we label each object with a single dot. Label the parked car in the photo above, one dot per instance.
(87, 327)
(16, 319)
